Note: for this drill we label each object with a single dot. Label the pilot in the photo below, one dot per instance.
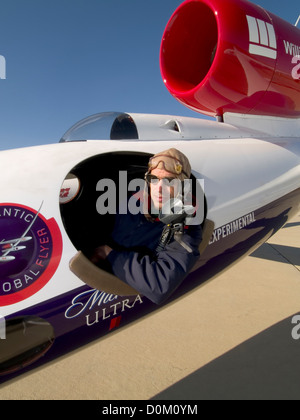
(147, 254)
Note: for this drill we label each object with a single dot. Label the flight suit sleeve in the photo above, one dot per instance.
(158, 277)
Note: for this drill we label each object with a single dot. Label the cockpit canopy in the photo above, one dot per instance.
(103, 126)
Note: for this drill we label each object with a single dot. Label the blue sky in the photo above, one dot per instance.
(67, 59)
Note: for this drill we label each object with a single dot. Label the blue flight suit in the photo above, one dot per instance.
(134, 260)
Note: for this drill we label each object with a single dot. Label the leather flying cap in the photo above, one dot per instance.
(173, 161)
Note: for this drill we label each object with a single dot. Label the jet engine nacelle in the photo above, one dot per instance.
(232, 56)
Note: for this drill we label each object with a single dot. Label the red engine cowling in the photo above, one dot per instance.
(232, 56)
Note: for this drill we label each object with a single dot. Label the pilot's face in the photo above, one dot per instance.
(160, 189)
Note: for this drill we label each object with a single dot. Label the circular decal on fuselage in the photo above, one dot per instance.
(30, 251)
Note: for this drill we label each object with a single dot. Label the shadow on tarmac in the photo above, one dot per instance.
(284, 254)
(265, 367)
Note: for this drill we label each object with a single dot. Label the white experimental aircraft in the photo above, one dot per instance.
(11, 246)
(232, 60)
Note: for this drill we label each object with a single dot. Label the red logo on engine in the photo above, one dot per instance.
(30, 251)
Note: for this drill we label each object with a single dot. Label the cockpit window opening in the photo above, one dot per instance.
(85, 227)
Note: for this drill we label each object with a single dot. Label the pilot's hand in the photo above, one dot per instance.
(100, 253)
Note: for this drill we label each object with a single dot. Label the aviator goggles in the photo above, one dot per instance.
(169, 163)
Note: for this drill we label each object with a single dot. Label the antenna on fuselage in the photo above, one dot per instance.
(296, 24)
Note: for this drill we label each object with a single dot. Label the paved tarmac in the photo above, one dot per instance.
(229, 339)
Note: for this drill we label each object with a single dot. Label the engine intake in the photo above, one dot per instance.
(231, 56)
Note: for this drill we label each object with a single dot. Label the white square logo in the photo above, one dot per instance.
(262, 38)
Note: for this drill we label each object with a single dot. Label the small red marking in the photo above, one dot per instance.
(115, 322)
(64, 192)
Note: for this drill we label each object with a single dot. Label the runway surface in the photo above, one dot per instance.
(229, 339)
